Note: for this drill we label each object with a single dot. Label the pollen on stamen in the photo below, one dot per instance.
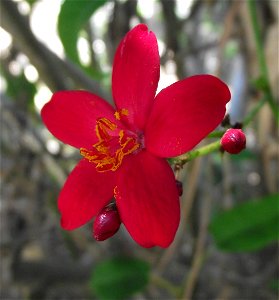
(120, 113)
(108, 153)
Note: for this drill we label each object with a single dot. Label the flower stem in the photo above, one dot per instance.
(216, 134)
(261, 58)
(184, 158)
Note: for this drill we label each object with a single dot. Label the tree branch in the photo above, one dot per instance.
(51, 68)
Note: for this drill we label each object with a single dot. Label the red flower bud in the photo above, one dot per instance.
(107, 223)
(233, 141)
(179, 187)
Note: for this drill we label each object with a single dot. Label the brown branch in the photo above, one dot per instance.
(172, 32)
(30, 138)
(171, 25)
(55, 72)
(18, 26)
(192, 277)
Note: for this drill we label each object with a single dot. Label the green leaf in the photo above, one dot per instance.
(248, 226)
(20, 89)
(72, 17)
(119, 278)
(274, 285)
(31, 2)
(245, 154)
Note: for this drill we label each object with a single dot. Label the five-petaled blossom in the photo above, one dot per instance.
(124, 147)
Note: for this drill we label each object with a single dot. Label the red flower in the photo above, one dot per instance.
(124, 147)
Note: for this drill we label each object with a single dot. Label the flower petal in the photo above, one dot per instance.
(71, 117)
(84, 194)
(184, 113)
(136, 72)
(147, 200)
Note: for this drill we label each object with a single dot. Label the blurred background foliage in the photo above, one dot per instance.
(226, 246)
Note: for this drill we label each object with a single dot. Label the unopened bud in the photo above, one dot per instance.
(179, 187)
(233, 141)
(107, 223)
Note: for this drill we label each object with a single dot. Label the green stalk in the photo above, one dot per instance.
(184, 158)
(254, 111)
(216, 134)
(165, 284)
(261, 58)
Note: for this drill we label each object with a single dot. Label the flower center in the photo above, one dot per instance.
(114, 143)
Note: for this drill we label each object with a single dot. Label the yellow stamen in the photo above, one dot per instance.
(113, 145)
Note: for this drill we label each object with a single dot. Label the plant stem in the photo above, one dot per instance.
(184, 158)
(254, 111)
(165, 284)
(261, 58)
(216, 134)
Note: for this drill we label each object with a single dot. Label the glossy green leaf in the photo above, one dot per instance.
(119, 278)
(72, 17)
(248, 226)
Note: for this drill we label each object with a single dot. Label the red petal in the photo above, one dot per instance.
(84, 194)
(147, 200)
(136, 72)
(71, 117)
(185, 113)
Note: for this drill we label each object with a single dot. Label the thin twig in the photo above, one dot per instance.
(227, 32)
(165, 284)
(252, 6)
(192, 276)
(187, 202)
(31, 139)
(253, 112)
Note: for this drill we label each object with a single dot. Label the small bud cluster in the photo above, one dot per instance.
(233, 141)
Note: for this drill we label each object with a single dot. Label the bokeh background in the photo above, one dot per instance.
(226, 245)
